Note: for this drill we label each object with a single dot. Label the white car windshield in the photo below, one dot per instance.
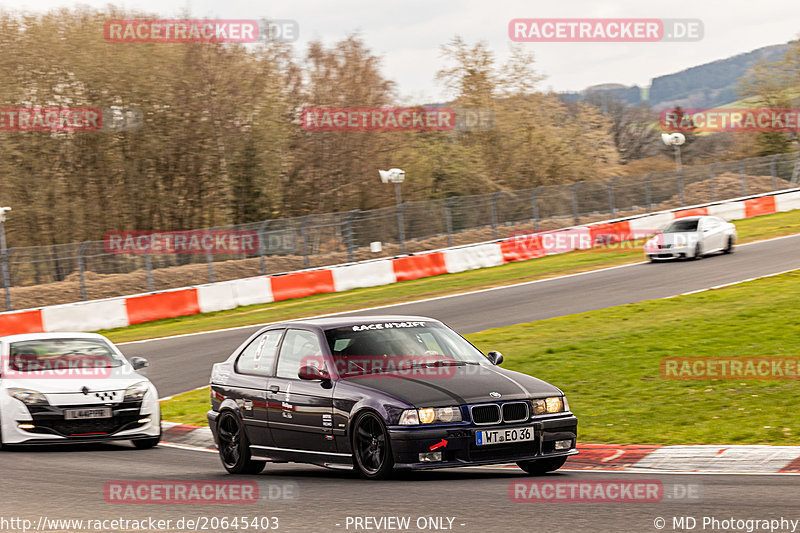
(399, 344)
(682, 226)
(53, 354)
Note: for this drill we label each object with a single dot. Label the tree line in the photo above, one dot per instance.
(220, 140)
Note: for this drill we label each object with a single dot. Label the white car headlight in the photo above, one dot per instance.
(136, 391)
(553, 404)
(430, 415)
(28, 396)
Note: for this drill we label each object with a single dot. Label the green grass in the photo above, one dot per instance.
(556, 265)
(187, 408)
(607, 362)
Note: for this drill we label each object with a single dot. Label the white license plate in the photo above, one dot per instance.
(503, 436)
(80, 414)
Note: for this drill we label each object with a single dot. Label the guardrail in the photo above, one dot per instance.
(139, 308)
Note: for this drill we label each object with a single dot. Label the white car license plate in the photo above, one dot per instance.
(502, 436)
(80, 414)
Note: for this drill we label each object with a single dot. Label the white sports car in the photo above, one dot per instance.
(692, 238)
(74, 387)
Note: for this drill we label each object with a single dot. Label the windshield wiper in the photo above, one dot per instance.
(445, 362)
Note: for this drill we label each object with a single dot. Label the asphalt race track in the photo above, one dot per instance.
(183, 363)
(68, 484)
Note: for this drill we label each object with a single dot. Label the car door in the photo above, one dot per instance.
(713, 234)
(254, 366)
(300, 412)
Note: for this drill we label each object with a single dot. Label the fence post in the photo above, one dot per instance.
(82, 269)
(611, 201)
(535, 207)
(795, 172)
(348, 234)
(574, 190)
(493, 211)
(713, 179)
(7, 278)
(261, 248)
(744, 180)
(680, 186)
(148, 266)
(304, 236)
(648, 197)
(774, 171)
(448, 219)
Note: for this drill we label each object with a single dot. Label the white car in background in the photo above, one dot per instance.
(692, 238)
(74, 387)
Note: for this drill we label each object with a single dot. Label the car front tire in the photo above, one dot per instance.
(540, 467)
(234, 447)
(698, 252)
(372, 451)
(729, 247)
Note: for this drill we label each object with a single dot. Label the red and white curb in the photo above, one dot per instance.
(187, 435)
(651, 458)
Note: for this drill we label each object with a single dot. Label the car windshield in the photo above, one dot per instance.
(385, 346)
(55, 354)
(681, 226)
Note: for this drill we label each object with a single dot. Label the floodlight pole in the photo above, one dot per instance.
(401, 227)
(4, 256)
(677, 149)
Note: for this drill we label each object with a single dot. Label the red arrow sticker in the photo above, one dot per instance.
(441, 444)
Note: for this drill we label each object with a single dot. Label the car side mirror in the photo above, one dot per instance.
(312, 373)
(495, 357)
(139, 363)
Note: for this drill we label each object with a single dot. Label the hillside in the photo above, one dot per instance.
(709, 85)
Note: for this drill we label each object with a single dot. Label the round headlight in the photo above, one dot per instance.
(427, 416)
(446, 414)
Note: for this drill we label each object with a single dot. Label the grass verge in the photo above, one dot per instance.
(187, 408)
(759, 228)
(607, 362)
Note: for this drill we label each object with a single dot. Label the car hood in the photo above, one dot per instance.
(457, 385)
(680, 238)
(119, 378)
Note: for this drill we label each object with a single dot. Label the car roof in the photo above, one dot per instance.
(345, 321)
(693, 217)
(51, 335)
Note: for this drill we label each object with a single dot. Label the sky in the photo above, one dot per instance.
(408, 35)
